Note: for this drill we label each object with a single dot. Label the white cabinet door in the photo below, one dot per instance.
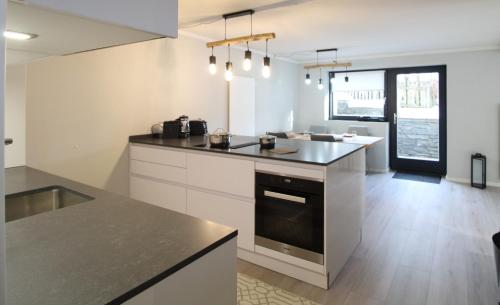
(160, 17)
(223, 174)
(172, 197)
(231, 212)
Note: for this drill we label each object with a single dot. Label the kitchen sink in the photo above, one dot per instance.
(42, 200)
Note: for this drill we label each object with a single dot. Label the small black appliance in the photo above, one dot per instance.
(198, 127)
(172, 129)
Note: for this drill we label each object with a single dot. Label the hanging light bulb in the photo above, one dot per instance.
(212, 68)
(266, 69)
(228, 75)
(308, 79)
(247, 62)
(346, 78)
(332, 78)
(320, 84)
(320, 81)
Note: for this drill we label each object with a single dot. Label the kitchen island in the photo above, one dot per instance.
(113, 250)
(299, 214)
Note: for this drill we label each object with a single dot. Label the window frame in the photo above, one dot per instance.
(333, 117)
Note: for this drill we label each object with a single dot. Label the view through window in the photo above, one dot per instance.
(361, 97)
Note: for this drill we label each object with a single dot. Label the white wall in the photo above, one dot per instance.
(82, 108)
(473, 105)
(2, 174)
(15, 115)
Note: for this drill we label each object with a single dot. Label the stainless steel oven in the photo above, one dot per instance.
(289, 216)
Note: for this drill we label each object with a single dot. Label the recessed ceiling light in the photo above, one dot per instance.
(18, 35)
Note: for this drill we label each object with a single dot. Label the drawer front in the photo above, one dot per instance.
(164, 172)
(164, 195)
(227, 211)
(232, 176)
(306, 173)
(158, 155)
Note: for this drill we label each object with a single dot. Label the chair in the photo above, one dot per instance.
(318, 129)
(358, 130)
(279, 135)
(322, 138)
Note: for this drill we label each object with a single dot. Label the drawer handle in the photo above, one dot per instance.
(285, 197)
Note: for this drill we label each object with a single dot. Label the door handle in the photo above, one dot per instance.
(395, 121)
(285, 197)
(8, 141)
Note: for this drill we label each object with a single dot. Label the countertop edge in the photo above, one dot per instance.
(136, 140)
(160, 277)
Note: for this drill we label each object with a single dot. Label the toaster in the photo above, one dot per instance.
(198, 127)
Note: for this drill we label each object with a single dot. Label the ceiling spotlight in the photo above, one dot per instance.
(18, 35)
(247, 62)
(308, 79)
(332, 78)
(212, 67)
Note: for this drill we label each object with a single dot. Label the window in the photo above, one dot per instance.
(361, 98)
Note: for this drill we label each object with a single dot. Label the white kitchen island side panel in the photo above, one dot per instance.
(209, 280)
(344, 204)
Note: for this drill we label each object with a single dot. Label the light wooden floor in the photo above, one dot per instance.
(422, 244)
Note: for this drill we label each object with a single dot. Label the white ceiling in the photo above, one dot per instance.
(60, 34)
(359, 28)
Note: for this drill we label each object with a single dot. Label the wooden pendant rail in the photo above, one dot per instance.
(332, 65)
(242, 39)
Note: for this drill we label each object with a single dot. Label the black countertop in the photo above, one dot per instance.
(103, 251)
(310, 152)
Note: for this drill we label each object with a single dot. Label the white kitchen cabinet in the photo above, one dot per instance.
(158, 171)
(158, 155)
(162, 194)
(223, 174)
(232, 212)
(154, 16)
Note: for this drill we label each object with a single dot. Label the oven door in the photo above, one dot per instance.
(289, 216)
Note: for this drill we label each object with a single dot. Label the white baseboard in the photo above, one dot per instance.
(377, 170)
(467, 181)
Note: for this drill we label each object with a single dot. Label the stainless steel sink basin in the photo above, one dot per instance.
(42, 200)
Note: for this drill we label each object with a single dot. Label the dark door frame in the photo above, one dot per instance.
(395, 163)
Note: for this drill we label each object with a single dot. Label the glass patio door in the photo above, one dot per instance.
(417, 117)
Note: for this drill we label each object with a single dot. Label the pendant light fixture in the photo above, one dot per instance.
(247, 61)
(346, 78)
(212, 67)
(308, 78)
(319, 66)
(320, 80)
(228, 75)
(266, 69)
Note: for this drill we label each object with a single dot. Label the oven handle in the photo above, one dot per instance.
(285, 197)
